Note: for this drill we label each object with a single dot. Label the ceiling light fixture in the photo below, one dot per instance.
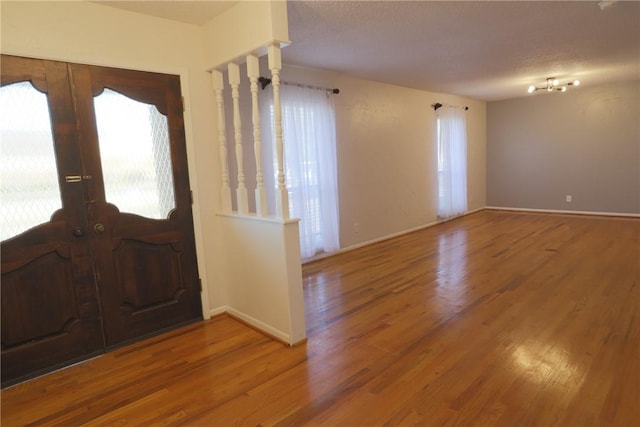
(553, 85)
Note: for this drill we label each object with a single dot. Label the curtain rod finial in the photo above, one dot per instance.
(264, 82)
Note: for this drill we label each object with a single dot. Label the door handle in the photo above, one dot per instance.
(77, 232)
(98, 228)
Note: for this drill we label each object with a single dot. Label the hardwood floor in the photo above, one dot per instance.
(494, 319)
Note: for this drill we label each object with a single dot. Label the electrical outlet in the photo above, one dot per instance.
(569, 198)
(356, 227)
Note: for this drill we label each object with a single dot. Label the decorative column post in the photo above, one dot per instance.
(225, 193)
(241, 191)
(282, 196)
(253, 72)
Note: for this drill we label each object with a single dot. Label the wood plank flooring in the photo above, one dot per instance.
(493, 319)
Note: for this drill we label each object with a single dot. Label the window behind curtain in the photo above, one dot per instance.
(451, 137)
(308, 127)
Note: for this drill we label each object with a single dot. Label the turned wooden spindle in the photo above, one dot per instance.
(225, 192)
(241, 191)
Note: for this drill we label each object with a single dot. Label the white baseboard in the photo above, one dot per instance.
(254, 323)
(431, 224)
(501, 208)
(383, 238)
(219, 310)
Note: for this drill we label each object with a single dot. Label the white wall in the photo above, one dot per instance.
(269, 291)
(386, 154)
(244, 29)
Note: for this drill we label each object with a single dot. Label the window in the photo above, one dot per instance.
(28, 174)
(308, 128)
(451, 137)
(136, 155)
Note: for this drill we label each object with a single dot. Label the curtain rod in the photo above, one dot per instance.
(264, 82)
(438, 105)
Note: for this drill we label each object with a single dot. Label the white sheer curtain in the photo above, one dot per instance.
(451, 130)
(309, 137)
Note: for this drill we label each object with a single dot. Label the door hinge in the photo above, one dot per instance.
(191, 196)
(182, 100)
(200, 284)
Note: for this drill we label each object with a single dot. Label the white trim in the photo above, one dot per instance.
(387, 237)
(259, 51)
(218, 310)
(555, 211)
(254, 217)
(93, 59)
(190, 148)
(431, 224)
(260, 326)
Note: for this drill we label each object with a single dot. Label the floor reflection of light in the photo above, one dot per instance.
(320, 290)
(317, 287)
(552, 365)
(452, 267)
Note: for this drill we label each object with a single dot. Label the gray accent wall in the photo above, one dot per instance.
(584, 143)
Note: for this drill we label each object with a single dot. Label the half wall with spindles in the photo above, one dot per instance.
(233, 137)
(269, 295)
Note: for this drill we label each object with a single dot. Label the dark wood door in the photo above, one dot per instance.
(140, 213)
(50, 307)
(116, 261)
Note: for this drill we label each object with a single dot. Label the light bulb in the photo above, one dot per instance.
(576, 82)
(555, 82)
(531, 89)
(564, 89)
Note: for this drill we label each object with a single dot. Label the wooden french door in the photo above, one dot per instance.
(97, 233)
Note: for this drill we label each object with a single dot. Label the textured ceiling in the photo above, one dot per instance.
(487, 50)
(484, 50)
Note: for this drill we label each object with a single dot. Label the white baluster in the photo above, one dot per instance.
(218, 86)
(253, 72)
(282, 196)
(241, 191)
